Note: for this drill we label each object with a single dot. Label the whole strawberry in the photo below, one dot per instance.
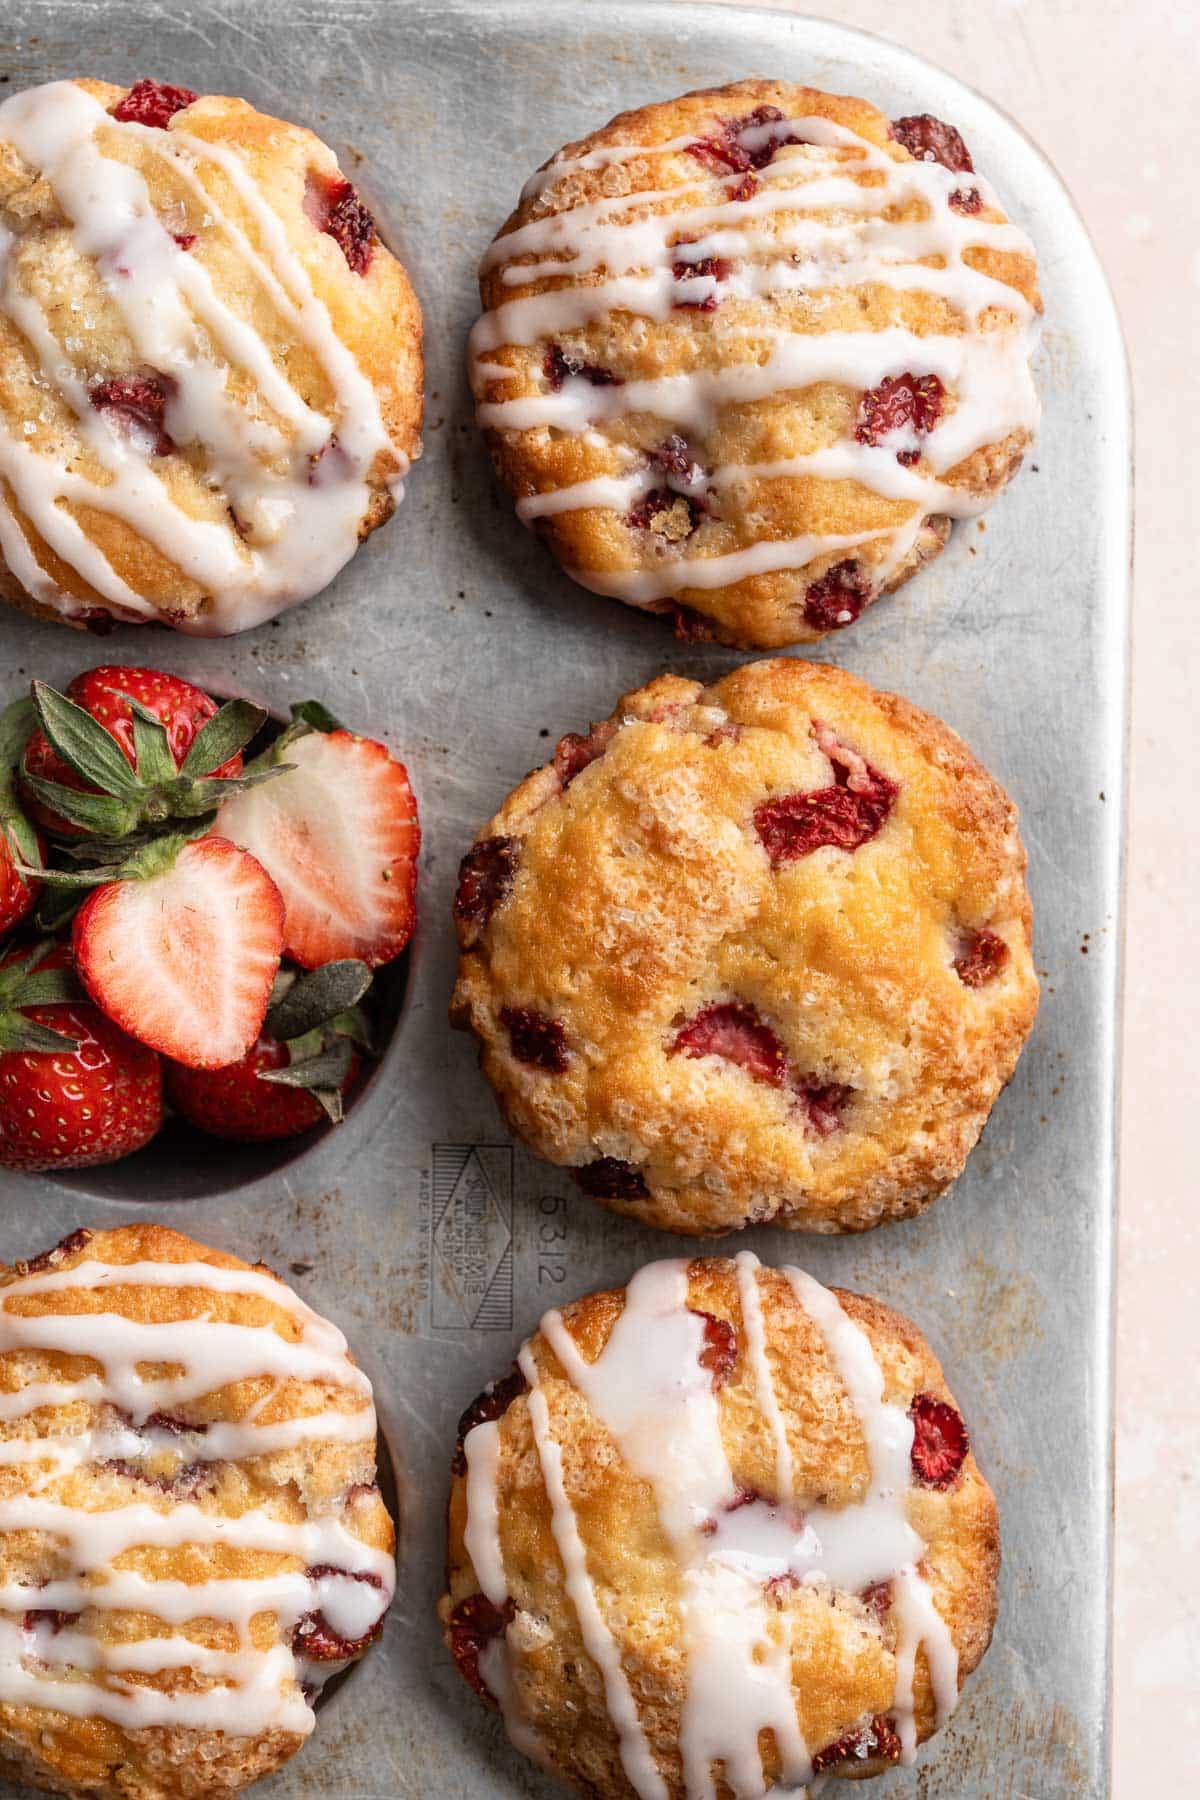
(163, 748)
(298, 1073)
(74, 1089)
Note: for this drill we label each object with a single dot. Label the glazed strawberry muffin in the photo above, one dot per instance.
(752, 953)
(746, 354)
(210, 365)
(191, 1535)
(722, 1518)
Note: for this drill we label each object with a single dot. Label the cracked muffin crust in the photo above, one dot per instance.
(210, 366)
(746, 354)
(191, 1535)
(748, 953)
(718, 1532)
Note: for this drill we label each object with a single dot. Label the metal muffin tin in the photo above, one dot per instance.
(432, 1239)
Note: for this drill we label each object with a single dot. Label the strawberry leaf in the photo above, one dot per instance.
(151, 746)
(227, 732)
(19, 1033)
(23, 984)
(56, 908)
(317, 997)
(327, 1069)
(100, 814)
(17, 722)
(83, 743)
(311, 712)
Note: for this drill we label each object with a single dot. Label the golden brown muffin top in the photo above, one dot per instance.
(191, 1537)
(722, 1527)
(210, 367)
(758, 951)
(746, 352)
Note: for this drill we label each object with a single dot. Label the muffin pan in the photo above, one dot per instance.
(432, 1239)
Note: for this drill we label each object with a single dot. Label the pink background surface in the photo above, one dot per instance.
(1108, 91)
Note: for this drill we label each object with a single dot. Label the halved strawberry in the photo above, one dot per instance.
(339, 834)
(184, 959)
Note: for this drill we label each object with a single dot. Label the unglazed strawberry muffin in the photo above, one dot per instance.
(748, 953)
(191, 1535)
(724, 1518)
(210, 366)
(746, 354)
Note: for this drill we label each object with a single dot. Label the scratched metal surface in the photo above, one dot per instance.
(453, 635)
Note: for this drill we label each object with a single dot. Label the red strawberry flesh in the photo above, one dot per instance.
(559, 365)
(473, 1625)
(732, 1030)
(139, 404)
(901, 403)
(574, 752)
(152, 103)
(981, 957)
(350, 225)
(843, 817)
(485, 876)
(940, 1441)
(837, 597)
(609, 1178)
(932, 140)
(720, 1351)
(314, 1637)
(493, 1403)
(877, 1741)
(535, 1039)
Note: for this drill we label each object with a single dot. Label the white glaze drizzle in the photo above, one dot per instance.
(246, 1691)
(299, 530)
(833, 238)
(654, 1396)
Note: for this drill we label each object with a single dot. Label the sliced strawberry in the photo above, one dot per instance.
(182, 708)
(940, 1441)
(339, 835)
(93, 1099)
(733, 1030)
(184, 960)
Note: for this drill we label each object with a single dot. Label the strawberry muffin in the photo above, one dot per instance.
(724, 1517)
(752, 953)
(210, 365)
(745, 355)
(191, 1535)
